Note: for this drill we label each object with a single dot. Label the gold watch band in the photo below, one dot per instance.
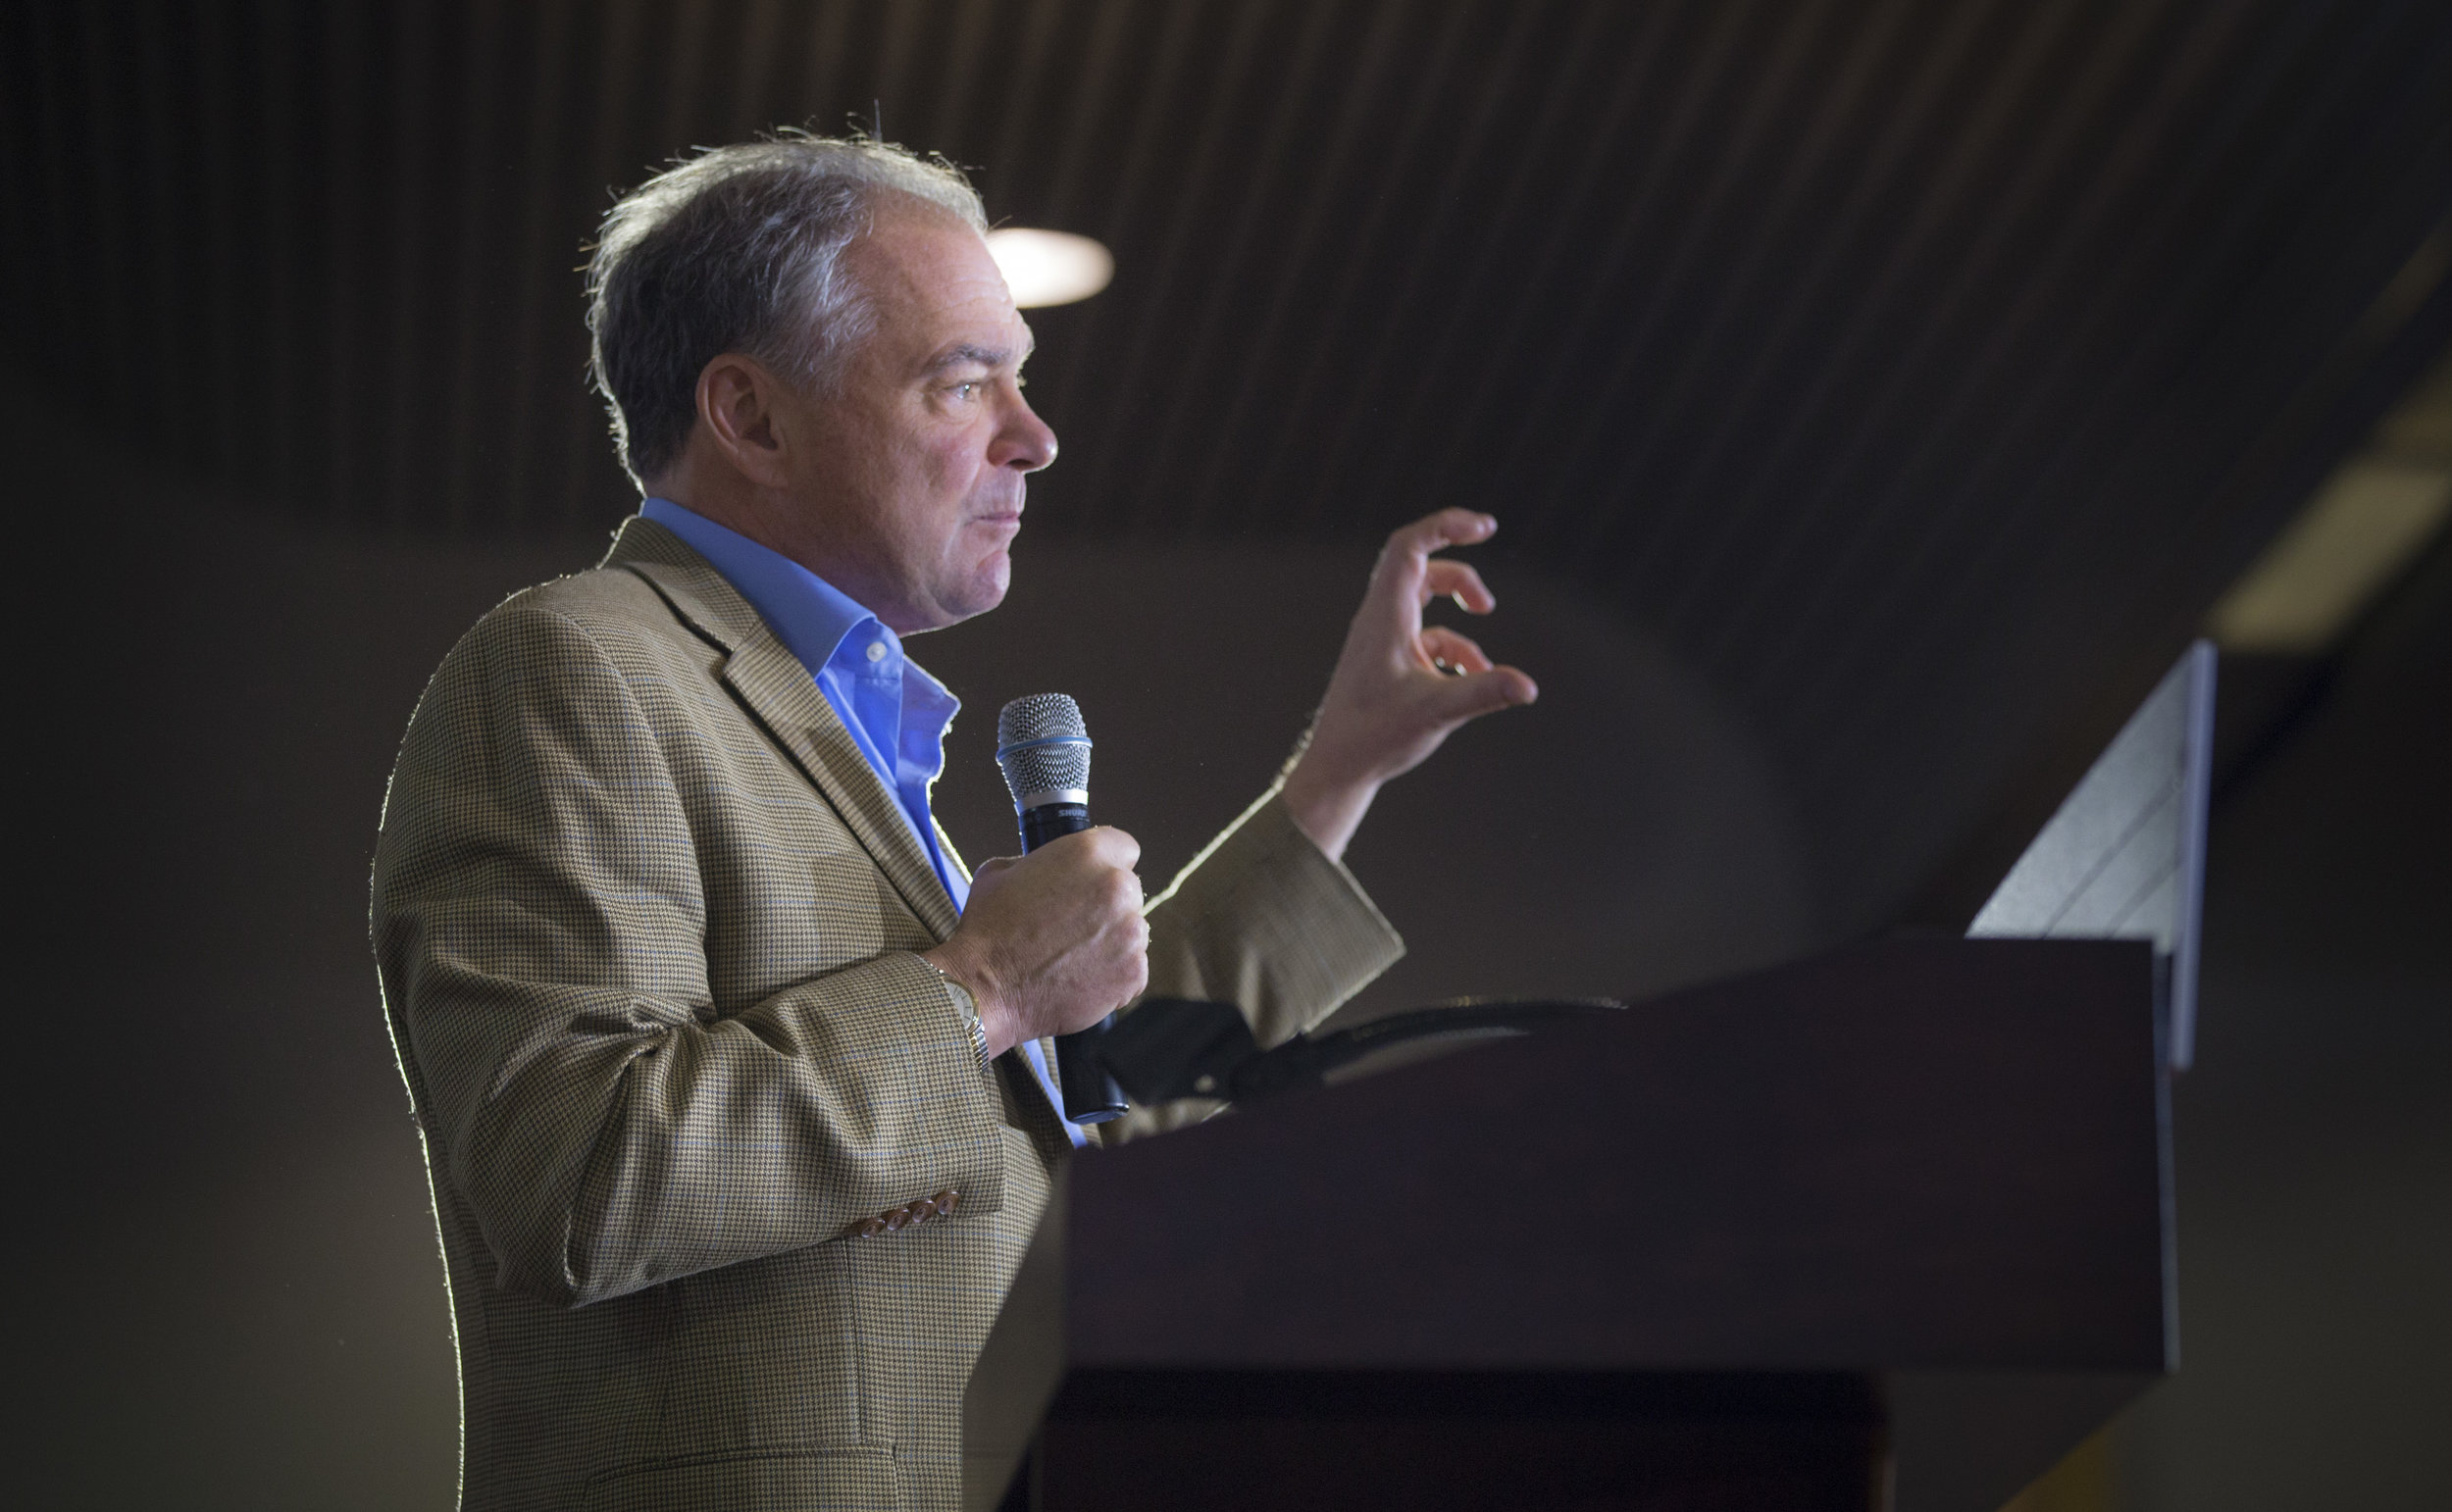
(970, 1007)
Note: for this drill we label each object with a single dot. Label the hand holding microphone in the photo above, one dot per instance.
(1054, 942)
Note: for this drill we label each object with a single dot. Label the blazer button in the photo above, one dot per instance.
(870, 1227)
(897, 1219)
(945, 1201)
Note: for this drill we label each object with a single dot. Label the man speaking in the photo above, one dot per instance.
(734, 1083)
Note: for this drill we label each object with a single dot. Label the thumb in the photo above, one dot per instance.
(992, 871)
(1475, 695)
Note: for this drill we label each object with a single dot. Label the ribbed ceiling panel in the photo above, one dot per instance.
(1911, 367)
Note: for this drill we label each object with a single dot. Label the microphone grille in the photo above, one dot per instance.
(1040, 717)
(1043, 748)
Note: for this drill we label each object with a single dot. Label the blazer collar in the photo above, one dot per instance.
(778, 690)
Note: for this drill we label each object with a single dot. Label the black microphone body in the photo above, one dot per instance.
(1044, 751)
(1050, 821)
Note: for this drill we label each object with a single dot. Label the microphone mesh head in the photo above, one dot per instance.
(1042, 747)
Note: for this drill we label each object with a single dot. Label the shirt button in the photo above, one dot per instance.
(876, 650)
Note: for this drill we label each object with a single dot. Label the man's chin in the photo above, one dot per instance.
(994, 583)
(984, 589)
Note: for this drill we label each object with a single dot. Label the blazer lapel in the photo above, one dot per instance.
(771, 682)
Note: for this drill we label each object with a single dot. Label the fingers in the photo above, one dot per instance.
(1120, 889)
(1107, 855)
(1446, 578)
(1102, 846)
(1113, 847)
(1448, 649)
(1443, 528)
(1136, 982)
(1405, 560)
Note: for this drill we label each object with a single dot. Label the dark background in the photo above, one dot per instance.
(1876, 396)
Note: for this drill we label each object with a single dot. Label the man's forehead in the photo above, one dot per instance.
(937, 280)
(920, 248)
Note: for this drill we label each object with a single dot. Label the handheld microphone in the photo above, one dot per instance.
(1043, 750)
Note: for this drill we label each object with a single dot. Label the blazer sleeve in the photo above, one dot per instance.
(539, 925)
(1263, 920)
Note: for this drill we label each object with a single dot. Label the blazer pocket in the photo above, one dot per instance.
(754, 1481)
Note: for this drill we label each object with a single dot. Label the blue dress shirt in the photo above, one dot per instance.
(897, 713)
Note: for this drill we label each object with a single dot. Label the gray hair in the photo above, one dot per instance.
(740, 249)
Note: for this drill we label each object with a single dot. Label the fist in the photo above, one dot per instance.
(1055, 942)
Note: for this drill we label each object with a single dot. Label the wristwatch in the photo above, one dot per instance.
(970, 1007)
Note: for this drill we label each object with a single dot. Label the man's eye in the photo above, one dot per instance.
(968, 389)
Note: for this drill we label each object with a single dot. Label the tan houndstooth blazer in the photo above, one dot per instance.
(645, 921)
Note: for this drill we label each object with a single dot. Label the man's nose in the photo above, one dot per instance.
(1023, 442)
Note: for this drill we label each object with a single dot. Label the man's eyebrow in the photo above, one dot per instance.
(967, 355)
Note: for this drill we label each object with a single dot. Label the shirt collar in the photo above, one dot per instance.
(810, 615)
(823, 625)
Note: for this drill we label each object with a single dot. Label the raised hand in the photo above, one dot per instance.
(1400, 686)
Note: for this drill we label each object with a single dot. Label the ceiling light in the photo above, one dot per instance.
(1049, 268)
(2367, 520)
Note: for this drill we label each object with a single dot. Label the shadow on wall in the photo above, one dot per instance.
(240, 1303)
(1621, 836)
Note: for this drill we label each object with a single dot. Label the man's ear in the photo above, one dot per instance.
(738, 399)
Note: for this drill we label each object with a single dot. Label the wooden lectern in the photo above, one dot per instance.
(1886, 1227)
